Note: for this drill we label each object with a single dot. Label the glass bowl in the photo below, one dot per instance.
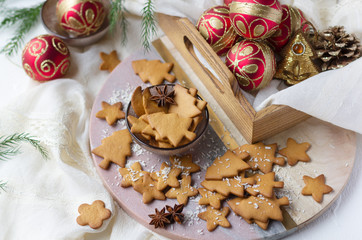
(51, 24)
(200, 130)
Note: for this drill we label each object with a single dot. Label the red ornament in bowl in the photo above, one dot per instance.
(255, 19)
(292, 20)
(215, 26)
(252, 63)
(80, 17)
(46, 58)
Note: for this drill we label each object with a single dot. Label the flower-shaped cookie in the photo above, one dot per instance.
(93, 215)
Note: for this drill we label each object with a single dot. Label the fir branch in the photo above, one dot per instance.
(3, 185)
(9, 146)
(148, 24)
(118, 13)
(27, 17)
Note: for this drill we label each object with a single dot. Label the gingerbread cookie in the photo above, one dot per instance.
(149, 105)
(153, 71)
(229, 165)
(262, 225)
(259, 208)
(148, 189)
(215, 217)
(114, 148)
(295, 152)
(183, 192)
(185, 164)
(111, 112)
(138, 126)
(93, 215)
(137, 102)
(110, 61)
(262, 156)
(172, 127)
(210, 198)
(132, 175)
(316, 187)
(227, 186)
(185, 103)
(167, 176)
(264, 185)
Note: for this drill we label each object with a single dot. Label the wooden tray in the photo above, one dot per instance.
(332, 154)
(223, 90)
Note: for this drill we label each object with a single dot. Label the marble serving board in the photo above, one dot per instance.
(332, 154)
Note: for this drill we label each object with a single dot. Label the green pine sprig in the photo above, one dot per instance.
(9, 145)
(148, 24)
(2, 185)
(26, 17)
(118, 14)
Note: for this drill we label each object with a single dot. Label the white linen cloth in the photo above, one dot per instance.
(42, 196)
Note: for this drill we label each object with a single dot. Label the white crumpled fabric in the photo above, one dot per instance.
(42, 196)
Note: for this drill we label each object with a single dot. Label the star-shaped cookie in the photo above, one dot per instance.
(111, 112)
(148, 189)
(183, 192)
(132, 175)
(110, 61)
(295, 152)
(316, 187)
(93, 215)
(153, 71)
(215, 217)
(210, 198)
(227, 186)
(185, 164)
(167, 176)
(114, 148)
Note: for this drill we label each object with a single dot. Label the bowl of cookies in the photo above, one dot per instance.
(167, 119)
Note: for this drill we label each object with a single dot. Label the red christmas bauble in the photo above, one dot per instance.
(227, 2)
(255, 19)
(80, 17)
(46, 58)
(252, 63)
(292, 20)
(215, 26)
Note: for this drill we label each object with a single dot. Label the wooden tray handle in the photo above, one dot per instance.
(226, 80)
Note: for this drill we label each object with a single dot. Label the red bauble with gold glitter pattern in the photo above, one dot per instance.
(46, 58)
(253, 64)
(215, 26)
(255, 19)
(292, 20)
(80, 17)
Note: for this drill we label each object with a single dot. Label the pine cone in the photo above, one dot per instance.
(335, 48)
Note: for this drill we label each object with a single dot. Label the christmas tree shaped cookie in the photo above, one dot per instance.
(114, 148)
(153, 71)
(264, 185)
(262, 156)
(228, 165)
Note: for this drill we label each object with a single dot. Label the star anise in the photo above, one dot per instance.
(163, 97)
(160, 219)
(176, 213)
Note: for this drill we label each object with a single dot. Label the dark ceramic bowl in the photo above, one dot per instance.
(200, 130)
(51, 24)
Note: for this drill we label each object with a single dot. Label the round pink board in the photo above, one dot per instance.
(332, 154)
